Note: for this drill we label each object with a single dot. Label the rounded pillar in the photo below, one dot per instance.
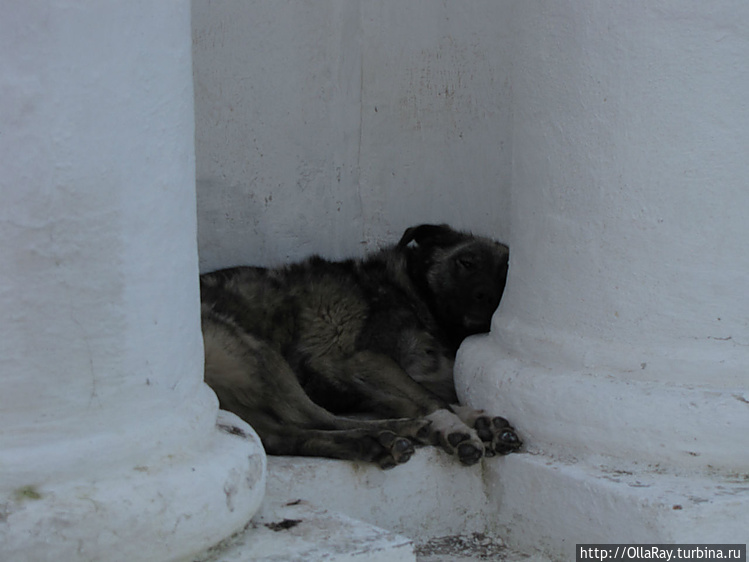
(110, 447)
(623, 330)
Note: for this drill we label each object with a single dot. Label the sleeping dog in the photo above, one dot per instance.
(354, 359)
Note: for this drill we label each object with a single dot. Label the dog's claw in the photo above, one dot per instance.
(398, 450)
(507, 442)
(509, 437)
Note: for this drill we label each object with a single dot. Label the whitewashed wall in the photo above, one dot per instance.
(332, 126)
(109, 448)
(621, 348)
(629, 222)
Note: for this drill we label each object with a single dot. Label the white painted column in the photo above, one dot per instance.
(109, 445)
(623, 336)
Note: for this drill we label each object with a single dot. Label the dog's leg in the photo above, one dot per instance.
(386, 390)
(255, 382)
(378, 384)
(498, 435)
(385, 448)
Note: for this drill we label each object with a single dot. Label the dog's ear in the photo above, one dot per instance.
(429, 235)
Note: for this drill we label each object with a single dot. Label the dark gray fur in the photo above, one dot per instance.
(301, 352)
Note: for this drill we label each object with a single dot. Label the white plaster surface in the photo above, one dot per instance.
(109, 447)
(626, 309)
(623, 331)
(629, 197)
(98, 294)
(332, 127)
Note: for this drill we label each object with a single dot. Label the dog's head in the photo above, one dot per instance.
(461, 276)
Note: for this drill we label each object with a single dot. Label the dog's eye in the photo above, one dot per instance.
(467, 263)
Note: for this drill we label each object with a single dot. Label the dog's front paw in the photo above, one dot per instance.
(449, 432)
(498, 435)
(468, 449)
(396, 449)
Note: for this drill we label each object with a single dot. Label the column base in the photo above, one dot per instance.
(167, 510)
(575, 415)
(609, 459)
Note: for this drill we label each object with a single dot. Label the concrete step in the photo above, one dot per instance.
(536, 503)
(297, 531)
(431, 509)
(434, 500)
(549, 504)
(430, 496)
